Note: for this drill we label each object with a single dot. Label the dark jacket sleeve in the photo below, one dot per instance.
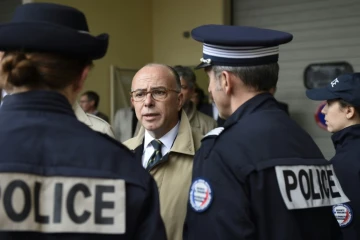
(151, 226)
(228, 216)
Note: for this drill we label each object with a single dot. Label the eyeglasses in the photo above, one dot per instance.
(157, 94)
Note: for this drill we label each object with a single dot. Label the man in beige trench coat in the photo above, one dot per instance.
(166, 143)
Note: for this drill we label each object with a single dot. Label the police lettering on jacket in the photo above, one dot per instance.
(61, 204)
(309, 186)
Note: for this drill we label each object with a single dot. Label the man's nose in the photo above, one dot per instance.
(148, 101)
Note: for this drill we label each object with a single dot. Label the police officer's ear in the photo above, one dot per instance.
(350, 112)
(226, 82)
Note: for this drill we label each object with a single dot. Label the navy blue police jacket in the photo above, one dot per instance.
(261, 177)
(346, 164)
(61, 180)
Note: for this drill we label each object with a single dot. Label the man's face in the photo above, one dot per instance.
(157, 116)
(217, 93)
(195, 98)
(85, 104)
(186, 91)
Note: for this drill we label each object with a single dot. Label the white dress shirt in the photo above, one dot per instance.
(167, 142)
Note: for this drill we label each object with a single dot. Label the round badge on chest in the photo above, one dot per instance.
(200, 195)
(343, 214)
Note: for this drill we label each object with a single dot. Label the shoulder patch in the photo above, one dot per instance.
(214, 132)
(201, 195)
(309, 186)
(343, 214)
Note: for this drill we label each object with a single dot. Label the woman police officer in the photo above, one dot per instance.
(342, 116)
(58, 178)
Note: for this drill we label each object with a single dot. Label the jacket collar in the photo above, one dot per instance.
(260, 101)
(342, 137)
(184, 142)
(81, 115)
(37, 100)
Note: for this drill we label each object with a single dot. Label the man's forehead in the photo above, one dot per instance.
(151, 77)
(152, 80)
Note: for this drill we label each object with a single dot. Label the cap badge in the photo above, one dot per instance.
(334, 82)
(208, 60)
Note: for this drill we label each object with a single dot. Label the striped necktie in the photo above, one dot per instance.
(156, 156)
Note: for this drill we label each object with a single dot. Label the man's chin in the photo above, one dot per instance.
(149, 126)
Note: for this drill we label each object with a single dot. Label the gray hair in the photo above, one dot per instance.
(187, 74)
(260, 78)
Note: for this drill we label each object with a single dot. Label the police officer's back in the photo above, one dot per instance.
(58, 178)
(261, 176)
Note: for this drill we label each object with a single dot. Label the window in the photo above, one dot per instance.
(320, 74)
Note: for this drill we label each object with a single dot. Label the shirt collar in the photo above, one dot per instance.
(167, 140)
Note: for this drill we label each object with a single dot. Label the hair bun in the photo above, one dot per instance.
(19, 71)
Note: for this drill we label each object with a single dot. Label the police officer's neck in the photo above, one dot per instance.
(241, 96)
(352, 122)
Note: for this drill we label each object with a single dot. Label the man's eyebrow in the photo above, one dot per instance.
(144, 89)
(139, 89)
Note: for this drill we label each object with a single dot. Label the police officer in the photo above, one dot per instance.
(261, 176)
(342, 115)
(58, 178)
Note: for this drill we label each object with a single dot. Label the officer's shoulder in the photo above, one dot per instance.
(214, 133)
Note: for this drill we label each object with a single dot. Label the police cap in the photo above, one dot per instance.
(345, 86)
(239, 45)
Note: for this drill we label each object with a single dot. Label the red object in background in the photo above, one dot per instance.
(319, 117)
